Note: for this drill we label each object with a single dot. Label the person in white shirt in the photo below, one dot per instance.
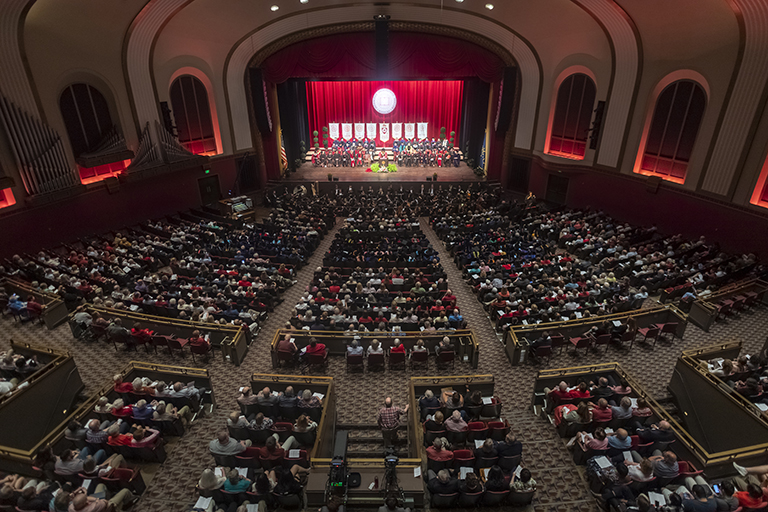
(375, 348)
(355, 349)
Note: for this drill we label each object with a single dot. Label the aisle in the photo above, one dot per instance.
(560, 482)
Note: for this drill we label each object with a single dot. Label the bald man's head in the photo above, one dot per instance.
(664, 425)
(79, 502)
(388, 401)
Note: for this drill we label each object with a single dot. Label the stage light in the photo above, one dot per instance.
(274, 8)
(304, 1)
(489, 6)
(459, 1)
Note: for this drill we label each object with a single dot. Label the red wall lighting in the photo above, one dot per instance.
(102, 172)
(6, 198)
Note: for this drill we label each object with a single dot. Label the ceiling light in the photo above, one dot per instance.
(304, 1)
(274, 7)
(459, 1)
(489, 6)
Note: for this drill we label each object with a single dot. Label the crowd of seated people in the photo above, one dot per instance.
(747, 375)
(15, 368)
(275, 430)
(93, 472)
(52, 495)
(461, 446)
(202, 271)
(534, 266)
(603, 420)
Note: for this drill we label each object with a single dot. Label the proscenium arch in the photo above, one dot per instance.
(521, 51)
(650, 106)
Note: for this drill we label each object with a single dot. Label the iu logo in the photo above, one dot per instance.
(384, 101)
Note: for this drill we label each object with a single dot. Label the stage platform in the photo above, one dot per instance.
(308, 172)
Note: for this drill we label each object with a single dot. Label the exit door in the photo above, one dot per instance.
(210, 190)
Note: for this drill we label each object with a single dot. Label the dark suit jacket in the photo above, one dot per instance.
(435, 486)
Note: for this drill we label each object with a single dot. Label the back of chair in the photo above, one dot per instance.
(491, 498)
(396, 358)
(420, 356)
(355, 360)
(447, 356)
(200, 349)
(521, 498)
(486, 462)
(316, 359)
(470, 499)
(444, 500)
(375, 360)
(509, 463)
(290, 502)
(258, 437)
(289, 413)
(492, 410)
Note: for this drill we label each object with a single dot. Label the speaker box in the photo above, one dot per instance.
(335, 179)
(506, 103)
(429, 178)
(260, 100)
(597, 124)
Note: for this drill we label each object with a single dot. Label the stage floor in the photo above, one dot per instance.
(308, 172)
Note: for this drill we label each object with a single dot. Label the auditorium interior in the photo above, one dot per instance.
(395, 255)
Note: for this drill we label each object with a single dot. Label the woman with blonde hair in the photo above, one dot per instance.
(304, 424)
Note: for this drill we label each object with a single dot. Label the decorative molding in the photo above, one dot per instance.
(300, 25)
(626, 62)
(137, 57)
(744, 101)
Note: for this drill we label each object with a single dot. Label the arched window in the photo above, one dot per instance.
(672, 132)
(86, 116)
(573, 112)
(189, 101)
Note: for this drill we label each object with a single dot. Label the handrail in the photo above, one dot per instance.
(554, 326)
(279, 333)
(143, 317)
(51, 297)
(731, 289)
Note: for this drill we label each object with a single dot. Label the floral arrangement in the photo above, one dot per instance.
(374, 167)
(392, 168)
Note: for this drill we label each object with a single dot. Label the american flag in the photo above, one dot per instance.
(283, 156)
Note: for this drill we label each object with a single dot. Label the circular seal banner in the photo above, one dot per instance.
(384, 101)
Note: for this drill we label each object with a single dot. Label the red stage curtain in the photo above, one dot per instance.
(411, 56)
(435, 102)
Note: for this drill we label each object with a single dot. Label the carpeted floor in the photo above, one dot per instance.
(561, 484)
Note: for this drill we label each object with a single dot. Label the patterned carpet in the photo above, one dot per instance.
(561, 484)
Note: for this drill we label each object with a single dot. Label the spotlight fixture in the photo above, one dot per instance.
(304, 1)
(274, 7)
(459, 1)
(489, 6)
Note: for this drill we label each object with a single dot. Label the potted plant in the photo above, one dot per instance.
(442, 132)
(374, 167)
(453, 134)
(434, 177)
(330, 177)
(392, 168)
(297, 163)
(317, 146)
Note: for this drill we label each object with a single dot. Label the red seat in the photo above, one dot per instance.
(420, 358)
(581, 342)
(477, 430)
(396, 359)
(649, 332)
(497, 430)
(201, 350)
(355, 361)
(463, 458)
(375, 361)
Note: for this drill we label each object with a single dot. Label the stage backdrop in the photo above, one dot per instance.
(437, 103)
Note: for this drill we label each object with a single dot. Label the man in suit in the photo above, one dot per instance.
(657, 433)
(442, 482)
(509, 447)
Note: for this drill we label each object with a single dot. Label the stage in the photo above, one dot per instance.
(308, 172)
